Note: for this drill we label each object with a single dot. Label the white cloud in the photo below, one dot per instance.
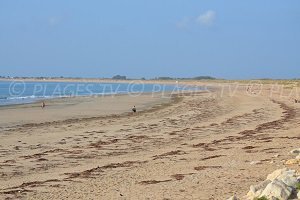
(183, 23)
(207, 18)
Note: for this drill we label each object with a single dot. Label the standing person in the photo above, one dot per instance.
(43, 104)
(134, 109)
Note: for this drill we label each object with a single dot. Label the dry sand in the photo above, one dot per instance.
(201, 146)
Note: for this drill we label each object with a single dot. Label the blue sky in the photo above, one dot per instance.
(231, 39)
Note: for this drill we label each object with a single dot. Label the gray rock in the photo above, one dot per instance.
(277, 189)
(281, 173)
(296, 151)
(289, 180)
(256, 190)
(285, 175)
(276, 173)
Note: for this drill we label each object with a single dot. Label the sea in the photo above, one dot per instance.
(23, 92)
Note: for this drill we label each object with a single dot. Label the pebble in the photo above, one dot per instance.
(255, 162)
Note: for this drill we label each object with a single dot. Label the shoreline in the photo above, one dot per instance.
(51, 99)
(80, 107)
(33, 100)
(153, 102)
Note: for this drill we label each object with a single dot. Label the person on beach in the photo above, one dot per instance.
(134, 109)
(43, 104)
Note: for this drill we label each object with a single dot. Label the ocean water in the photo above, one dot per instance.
(19, 92)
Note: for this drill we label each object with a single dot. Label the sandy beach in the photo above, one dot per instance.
(204, 145)
(60, 109)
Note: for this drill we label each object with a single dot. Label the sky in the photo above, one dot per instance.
(230, 39)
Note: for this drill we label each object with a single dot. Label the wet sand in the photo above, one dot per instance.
(207, 145)
(77, 107)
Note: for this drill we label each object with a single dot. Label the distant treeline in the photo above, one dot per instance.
(119, 77)
(194, 78)
(122, 77)
(116, 77)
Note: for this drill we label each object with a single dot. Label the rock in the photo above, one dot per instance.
(295, 151)
(292, 162)
(256, 190)
(289, 180)
(233, 198)
(276, 173)
(298, 157)
(277, 189)
(276, 156)
(298, 195)
(285, 175)
(280, 173)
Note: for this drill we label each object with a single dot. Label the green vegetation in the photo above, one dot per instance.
(204, 78)
(261, 198)
(298, 186)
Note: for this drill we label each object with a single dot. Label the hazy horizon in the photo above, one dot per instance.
(223, 39)
(143, 77)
